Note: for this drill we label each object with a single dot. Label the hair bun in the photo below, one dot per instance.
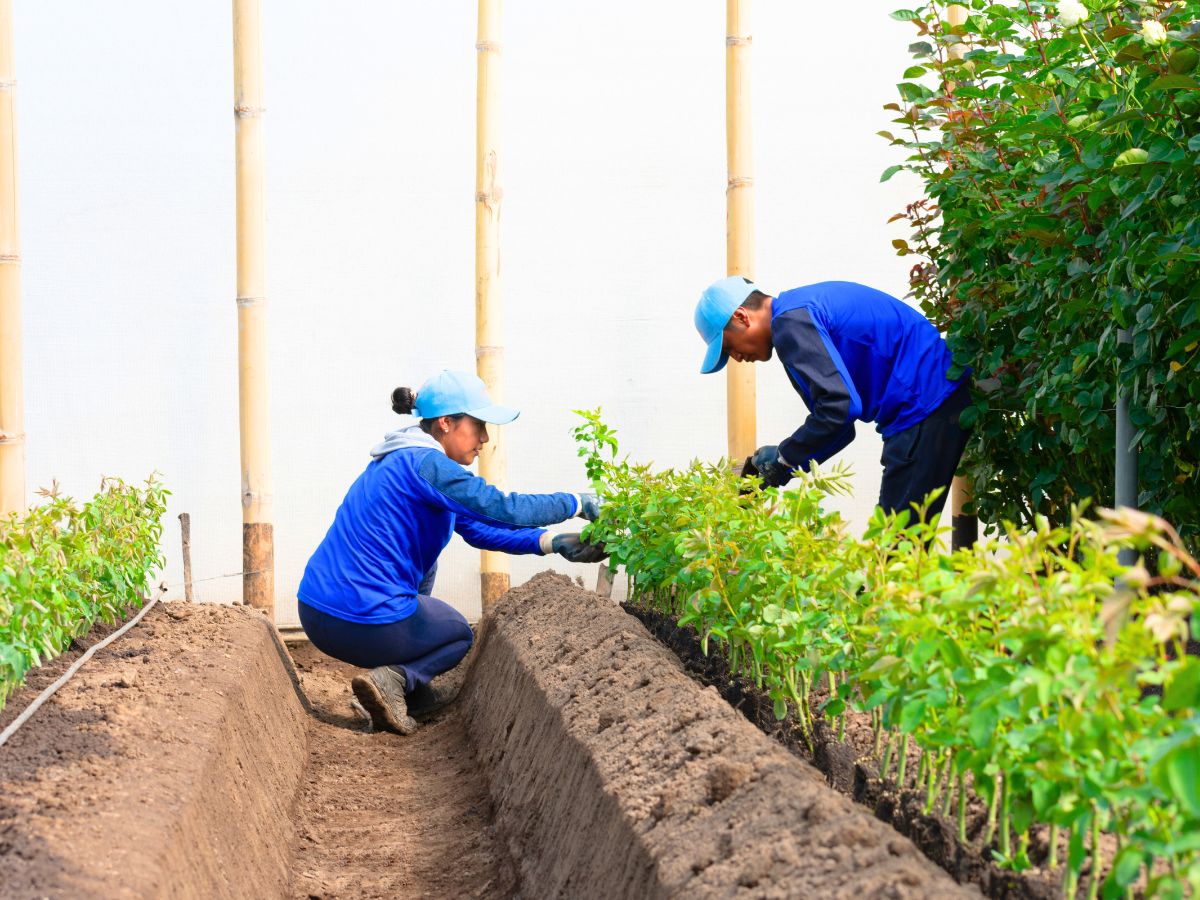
(404, 401)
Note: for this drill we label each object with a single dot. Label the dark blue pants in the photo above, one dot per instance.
(924, 456)
(432, 640)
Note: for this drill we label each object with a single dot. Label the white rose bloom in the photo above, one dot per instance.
(1071, 13)
(1153, 33)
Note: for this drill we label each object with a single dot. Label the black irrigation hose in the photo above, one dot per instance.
(66, 676)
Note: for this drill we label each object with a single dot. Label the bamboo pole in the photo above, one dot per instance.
(489, 349)
(964, 528)
(258, 545)
(12, 401)
(740, 396)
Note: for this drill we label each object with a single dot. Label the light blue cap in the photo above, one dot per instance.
(449, 393)
(713, 313)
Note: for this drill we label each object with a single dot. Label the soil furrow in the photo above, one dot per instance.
(384, 816)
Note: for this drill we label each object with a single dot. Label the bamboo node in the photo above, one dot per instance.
(740, 181)
(6, 438)
(11, 258)
(251, 301)
(483, 350)
(488, 46)
(734, 40)
(249, 498)
(8, 85)
(491, 198)
(249, 112)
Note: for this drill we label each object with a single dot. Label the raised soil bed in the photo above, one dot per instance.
(580, 761)
(849, 768)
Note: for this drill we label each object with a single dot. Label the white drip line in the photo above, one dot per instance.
(66, 676)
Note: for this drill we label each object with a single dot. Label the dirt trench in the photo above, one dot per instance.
(190, 759)
(382, 816)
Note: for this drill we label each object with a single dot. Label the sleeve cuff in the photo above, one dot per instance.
(578, 506)
(546, 543)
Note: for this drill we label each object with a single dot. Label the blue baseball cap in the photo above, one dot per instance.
(449, 393)
(713, 313)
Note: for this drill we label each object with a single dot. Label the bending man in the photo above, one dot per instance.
(851, 353)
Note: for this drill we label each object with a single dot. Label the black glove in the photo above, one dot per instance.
(771, 468)
(589, 507)
(573, 548)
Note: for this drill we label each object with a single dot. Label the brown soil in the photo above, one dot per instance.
(849, 766)
(614, 774)
(384, 816)
(146, 774)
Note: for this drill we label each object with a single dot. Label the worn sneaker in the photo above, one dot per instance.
(429, 698)
(381, 692)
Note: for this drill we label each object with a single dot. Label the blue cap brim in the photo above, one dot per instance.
(714, 358)
(495, 414)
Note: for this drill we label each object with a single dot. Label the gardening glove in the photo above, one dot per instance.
(589, 507)
(573, 548)
(772, 468)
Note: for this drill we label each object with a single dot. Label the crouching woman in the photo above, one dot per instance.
(365, 597)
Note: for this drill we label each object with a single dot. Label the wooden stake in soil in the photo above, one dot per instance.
(185, 528)
(12, 401)
(258, 545)
(739, 215)
(489, 349)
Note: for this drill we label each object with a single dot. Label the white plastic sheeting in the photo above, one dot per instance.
(613, 169)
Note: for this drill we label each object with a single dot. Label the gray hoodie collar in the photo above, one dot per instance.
(401, 438)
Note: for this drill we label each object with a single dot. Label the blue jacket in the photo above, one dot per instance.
(855, 353)
(399, 516)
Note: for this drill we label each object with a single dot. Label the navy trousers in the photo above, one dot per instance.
(924, 456)
(434, 639)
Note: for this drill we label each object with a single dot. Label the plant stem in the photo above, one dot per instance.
(887, 758)
(1094, 877)
(993, 808)
(962, 807)
(877, 717)
(1052, 860)
(1005, 819)
(947, 785)
(903, 763)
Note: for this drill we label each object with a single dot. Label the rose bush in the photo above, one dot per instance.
(1058, 146)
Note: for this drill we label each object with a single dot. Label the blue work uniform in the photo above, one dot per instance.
(857, 354)
(364, 597)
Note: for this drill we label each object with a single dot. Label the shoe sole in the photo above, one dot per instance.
(376, 705)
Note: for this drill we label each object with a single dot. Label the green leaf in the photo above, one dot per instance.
(1174, 83)
(1182, 60)
(889, 172)
(1135, 156)
(1182, 691)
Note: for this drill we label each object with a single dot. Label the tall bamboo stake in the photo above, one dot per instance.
(489, 348)
(739, 215)
(964, 528)
(12, 402)
(258, 544)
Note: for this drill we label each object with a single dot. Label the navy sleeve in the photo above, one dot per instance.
(451, 486)
(805, 349)
(491, 537)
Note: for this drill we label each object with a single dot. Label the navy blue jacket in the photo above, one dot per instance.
(399, 516)
(855, 353)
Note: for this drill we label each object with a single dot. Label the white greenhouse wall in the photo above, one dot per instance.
(613, 169)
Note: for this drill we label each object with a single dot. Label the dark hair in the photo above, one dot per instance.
(404, 403)
(755, 300)
(404, 400)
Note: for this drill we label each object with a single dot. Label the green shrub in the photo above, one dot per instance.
(64, 566)
(1021, 668)
(1059, 147)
